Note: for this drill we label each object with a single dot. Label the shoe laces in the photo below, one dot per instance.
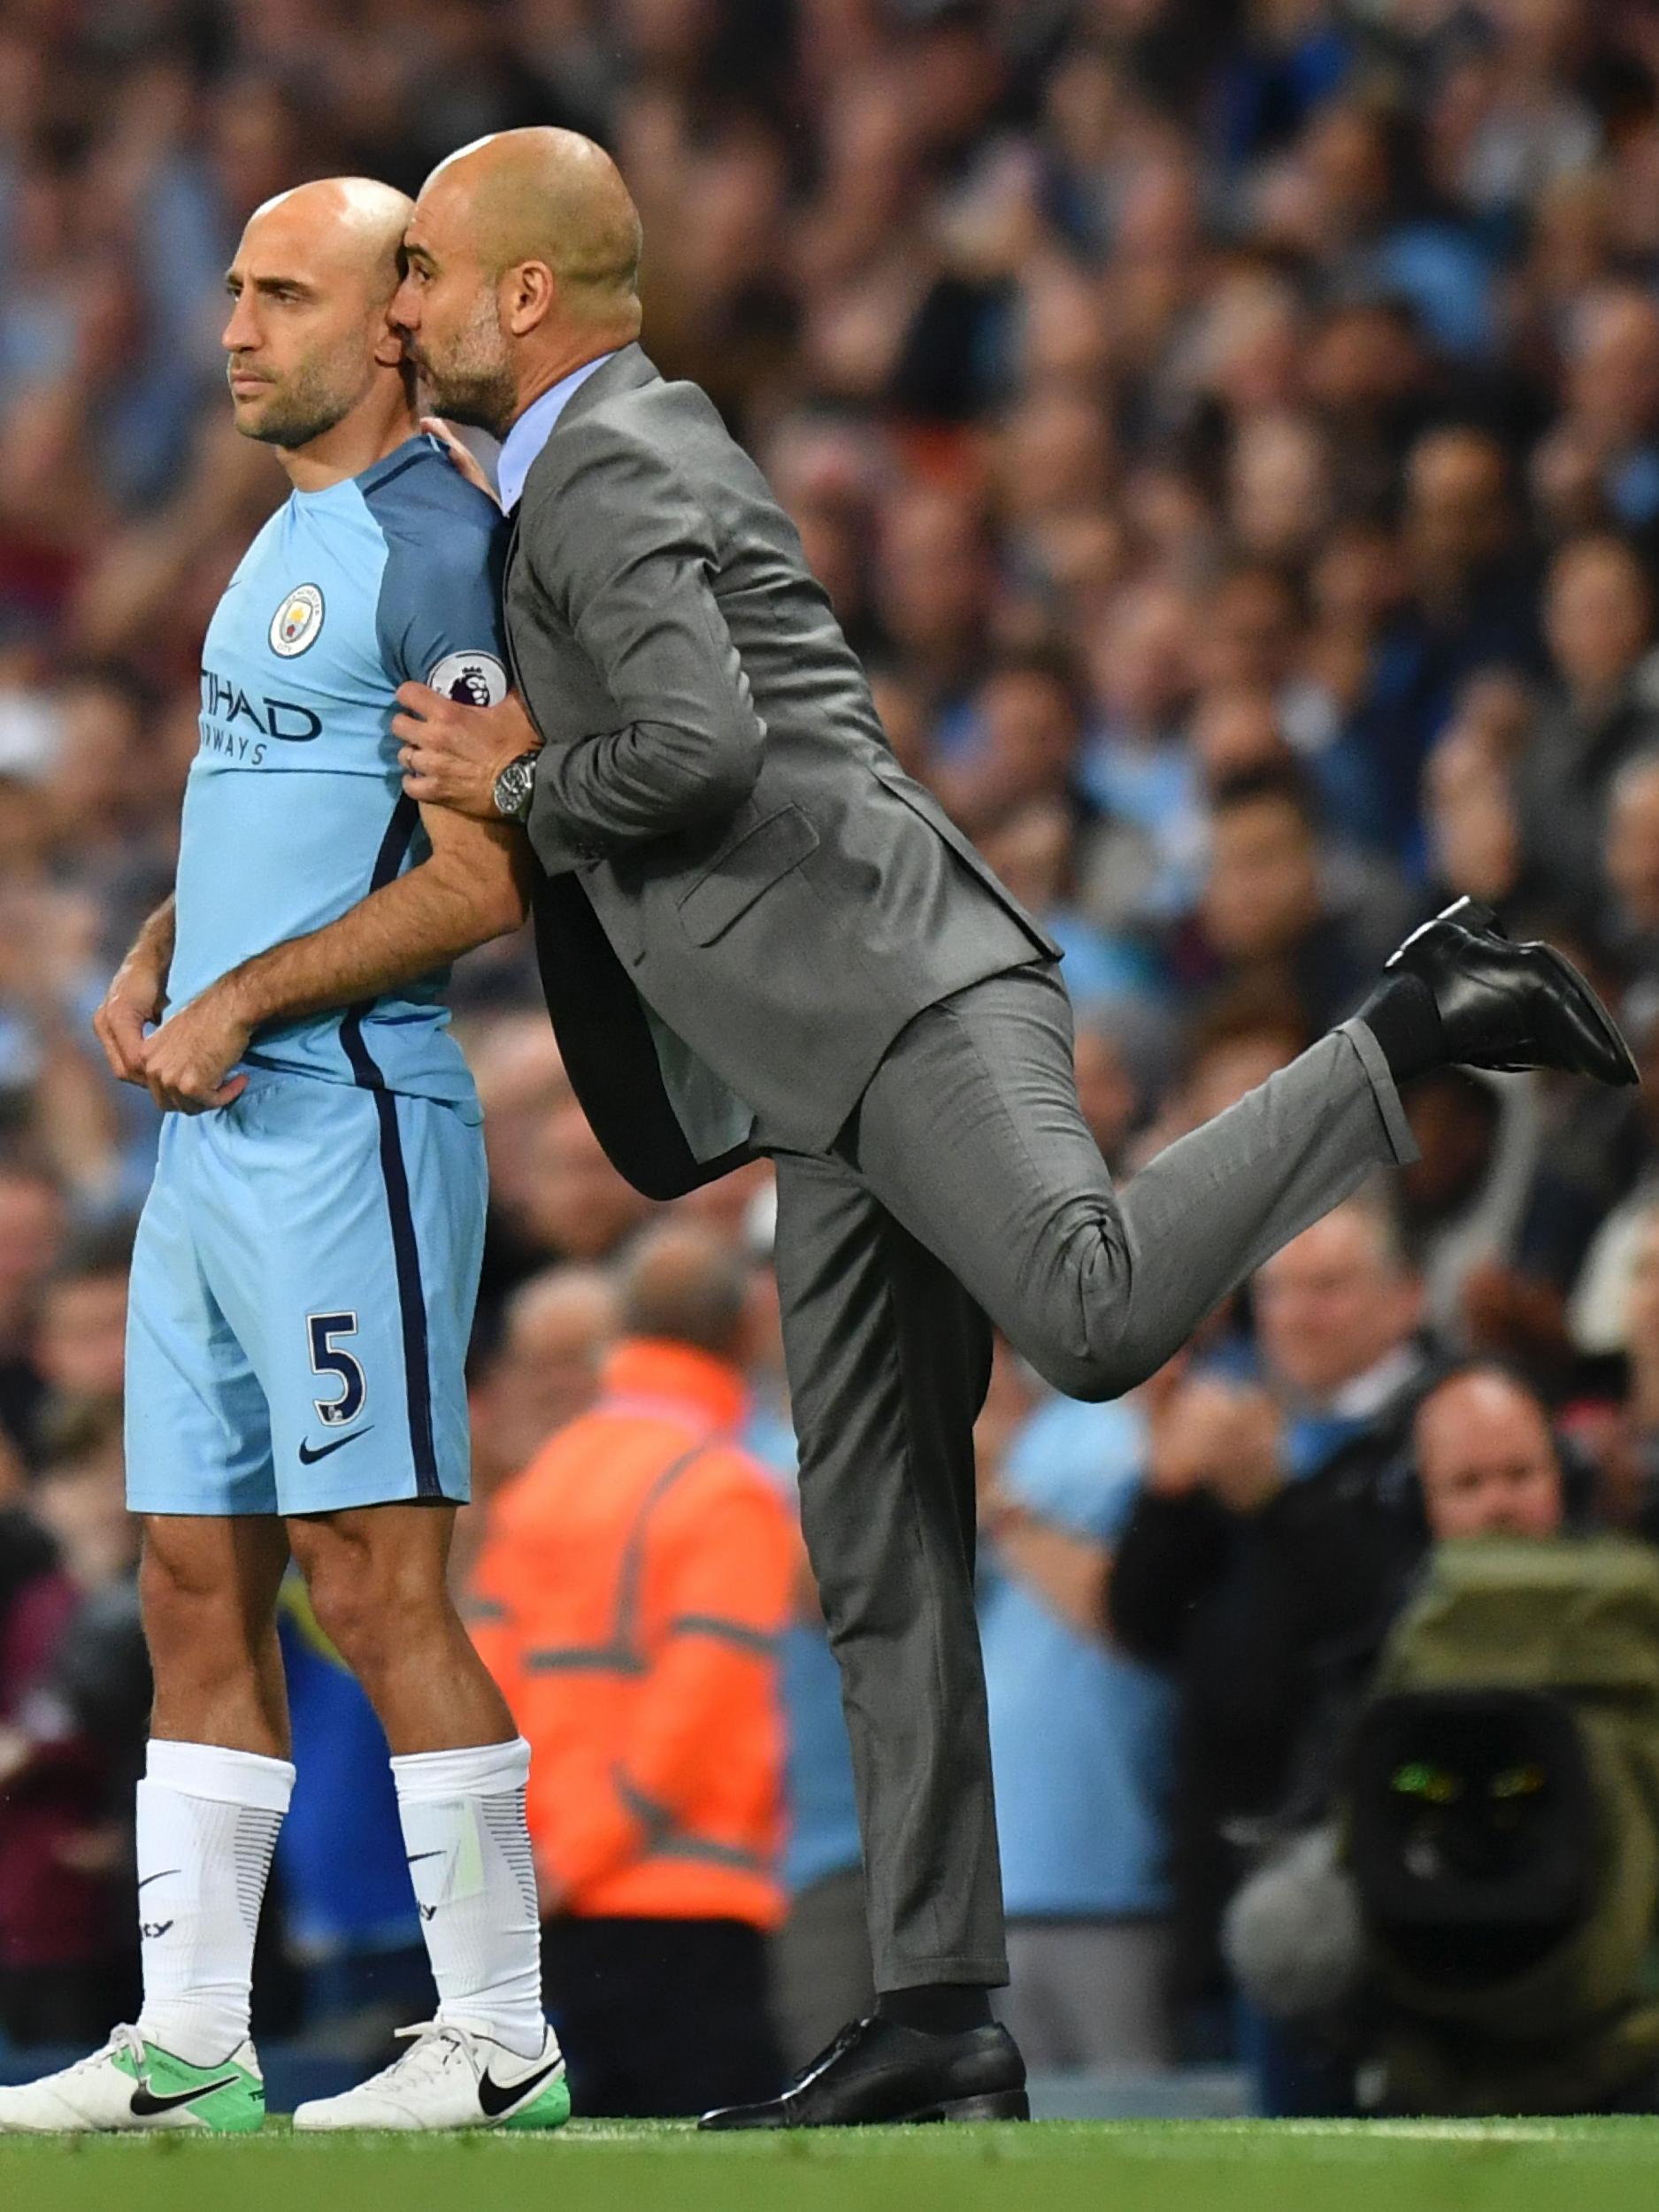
(852, 2034)
(435, 2047)
(124, 2042)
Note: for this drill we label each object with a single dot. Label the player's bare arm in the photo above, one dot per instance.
(474, 886)
(136, 995)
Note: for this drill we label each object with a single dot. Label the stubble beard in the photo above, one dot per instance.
(475, 384)
(306, 406)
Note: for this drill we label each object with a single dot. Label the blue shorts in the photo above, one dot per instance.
(301, 1296)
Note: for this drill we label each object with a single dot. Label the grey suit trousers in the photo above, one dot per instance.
(965, 1192)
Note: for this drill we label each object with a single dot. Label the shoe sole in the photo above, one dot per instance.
(1006, 2104)
(1002, 2104)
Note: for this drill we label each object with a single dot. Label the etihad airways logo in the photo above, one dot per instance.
(236, 722)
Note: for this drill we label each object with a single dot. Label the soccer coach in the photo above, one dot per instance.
(758, 935)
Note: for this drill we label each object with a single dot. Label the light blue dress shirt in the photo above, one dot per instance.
(525, 441)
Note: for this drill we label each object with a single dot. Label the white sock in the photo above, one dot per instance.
(207, 1828)
(469, 1859)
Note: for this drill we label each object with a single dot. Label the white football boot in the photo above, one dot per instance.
(452, 2078)
(132, 2084)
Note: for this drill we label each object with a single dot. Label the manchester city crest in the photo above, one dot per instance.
(296, 621)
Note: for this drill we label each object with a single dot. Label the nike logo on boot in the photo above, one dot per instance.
(495, 2099)
(146, 2104)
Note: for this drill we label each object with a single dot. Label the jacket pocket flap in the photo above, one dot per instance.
(743, 871)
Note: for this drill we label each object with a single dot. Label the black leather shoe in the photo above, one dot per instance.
(877, 2070)
(1511, 1006)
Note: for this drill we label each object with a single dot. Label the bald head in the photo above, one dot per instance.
(549, 196)
(524, 255)
(684, 1285)
(340, 222)
(1487, 1459)
(308, 338)
(564, 1313)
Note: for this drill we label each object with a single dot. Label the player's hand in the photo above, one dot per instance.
(133, 998)
(452, 754)
(184, 1061)
(462, 457)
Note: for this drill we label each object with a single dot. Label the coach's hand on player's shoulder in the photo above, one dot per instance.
(461, 457)
(452, 754)
(185, 1061)
(133, 1000)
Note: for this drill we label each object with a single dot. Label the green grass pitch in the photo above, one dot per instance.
(1520, 2166)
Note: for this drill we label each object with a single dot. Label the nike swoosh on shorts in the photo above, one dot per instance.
(308, 1458)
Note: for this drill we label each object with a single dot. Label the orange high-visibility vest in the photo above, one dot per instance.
(629, 1598)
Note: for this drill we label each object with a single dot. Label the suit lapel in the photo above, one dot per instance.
(625, 370)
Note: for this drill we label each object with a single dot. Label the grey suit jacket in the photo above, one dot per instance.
(774, 898)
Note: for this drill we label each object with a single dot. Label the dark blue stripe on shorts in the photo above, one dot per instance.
(406, 1252)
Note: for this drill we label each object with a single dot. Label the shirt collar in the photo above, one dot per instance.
(650, 1372)
(1367, 1395)
(525, 441)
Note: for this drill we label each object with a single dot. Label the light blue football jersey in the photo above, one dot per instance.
(294, 808)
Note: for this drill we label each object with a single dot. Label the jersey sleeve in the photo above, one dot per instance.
(439, 620)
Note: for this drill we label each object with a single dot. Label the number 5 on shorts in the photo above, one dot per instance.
(328, 1359)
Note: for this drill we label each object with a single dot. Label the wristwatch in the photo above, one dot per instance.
(515, 785)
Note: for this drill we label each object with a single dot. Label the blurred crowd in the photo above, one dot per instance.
(1229, 431)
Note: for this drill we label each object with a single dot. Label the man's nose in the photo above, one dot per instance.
(403, 313)
(241, 333)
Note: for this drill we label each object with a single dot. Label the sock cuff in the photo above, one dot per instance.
(228, 1778)
(485, 1770)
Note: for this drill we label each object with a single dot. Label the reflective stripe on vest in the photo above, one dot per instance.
(738, 1633)
(665, 1839)
(622, 1655)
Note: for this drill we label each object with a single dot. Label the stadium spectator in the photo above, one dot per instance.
(1488, 1462)
(1205, 1579)
(1598, 613)
(81, 1336)
(74, 1696)
(629, 1598)
(544, 1372)
(1081, 1735)
(31, 1227)
(1265, 919)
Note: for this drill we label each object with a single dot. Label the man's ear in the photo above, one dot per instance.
(529, 292)
(388, 349)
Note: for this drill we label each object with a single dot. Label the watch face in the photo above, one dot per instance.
(513, 787)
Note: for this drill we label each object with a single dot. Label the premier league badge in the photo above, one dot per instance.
(476, 679)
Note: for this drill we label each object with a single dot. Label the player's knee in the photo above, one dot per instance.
(370, 1609)
(192, 1623)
